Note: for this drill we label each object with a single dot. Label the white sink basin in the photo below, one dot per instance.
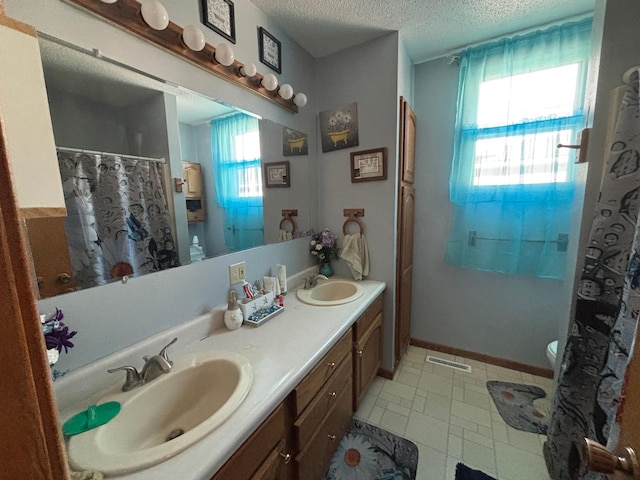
(198, 395)
(332, 292)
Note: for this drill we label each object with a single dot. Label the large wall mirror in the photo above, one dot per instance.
(156, 176)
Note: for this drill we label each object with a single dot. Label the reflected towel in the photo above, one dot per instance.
(284, 236)
(356, 253)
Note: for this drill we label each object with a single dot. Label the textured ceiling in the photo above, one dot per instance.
(429, 28)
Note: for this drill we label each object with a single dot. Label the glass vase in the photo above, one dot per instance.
(326, 269)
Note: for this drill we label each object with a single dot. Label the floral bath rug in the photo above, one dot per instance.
(515, 403)
(367, 452)
(465, 473)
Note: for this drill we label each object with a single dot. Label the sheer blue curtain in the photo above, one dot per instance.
(235, 147)
(511, 188)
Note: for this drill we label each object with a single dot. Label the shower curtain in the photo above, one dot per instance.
(118, 221)
(601, 334)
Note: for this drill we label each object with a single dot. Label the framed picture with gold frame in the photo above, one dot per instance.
(369, 165)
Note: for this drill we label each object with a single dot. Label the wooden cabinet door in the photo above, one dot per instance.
(404, 284)
(407, 142)
(406, 213)
(192, 180)
(50, 255)
(257, 456)
(368, 358)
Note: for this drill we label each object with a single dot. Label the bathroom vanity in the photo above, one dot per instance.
(320, 408)
(311, 367)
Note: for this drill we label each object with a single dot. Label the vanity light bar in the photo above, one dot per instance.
(127, 14)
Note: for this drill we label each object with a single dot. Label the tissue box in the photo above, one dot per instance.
(260, 309)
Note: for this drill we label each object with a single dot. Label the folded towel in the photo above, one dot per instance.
(284, 236)
(356, 253)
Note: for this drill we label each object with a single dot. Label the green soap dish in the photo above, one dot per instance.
(92, 417)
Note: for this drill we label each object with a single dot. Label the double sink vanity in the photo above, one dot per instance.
(267, 402)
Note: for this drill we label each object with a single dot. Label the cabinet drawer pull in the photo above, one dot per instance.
(332, 394)
(331, 437)
(360, 353)
(331, 364)
(286, 457)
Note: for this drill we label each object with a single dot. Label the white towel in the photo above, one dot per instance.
(356, 253)
(284, 236)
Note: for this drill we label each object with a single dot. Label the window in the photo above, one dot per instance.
(511, 187)
(527, 155)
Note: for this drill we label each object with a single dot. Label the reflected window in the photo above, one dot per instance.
(235, 149)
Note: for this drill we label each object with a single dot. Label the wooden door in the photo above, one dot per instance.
(406, 206)
(50, 255)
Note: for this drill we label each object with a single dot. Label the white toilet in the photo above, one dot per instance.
(552, 351)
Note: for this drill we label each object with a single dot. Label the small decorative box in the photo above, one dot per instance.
(260, 309)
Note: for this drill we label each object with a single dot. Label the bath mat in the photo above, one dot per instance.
(515, 403)
(465, 473)
(368, 452)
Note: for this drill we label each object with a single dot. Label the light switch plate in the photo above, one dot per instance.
(237, 273)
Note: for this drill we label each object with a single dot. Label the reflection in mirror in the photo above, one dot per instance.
(116, 130)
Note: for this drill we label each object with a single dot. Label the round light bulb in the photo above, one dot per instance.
(300, 100)
(224, 54)
(155, 15)
(193, 38)
(249, 69)
(270, 82)
(108, 1)
(285, 91)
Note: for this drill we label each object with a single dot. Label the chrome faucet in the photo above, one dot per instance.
(154, 366)
(313, 280)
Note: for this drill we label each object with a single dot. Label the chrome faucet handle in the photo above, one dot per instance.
(133, 377)
(163, 352)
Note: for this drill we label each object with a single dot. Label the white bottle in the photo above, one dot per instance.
(233, 314)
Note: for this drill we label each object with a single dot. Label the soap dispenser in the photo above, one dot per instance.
(233, 314)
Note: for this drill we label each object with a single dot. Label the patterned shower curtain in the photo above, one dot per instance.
(118, 220)
(601, 335)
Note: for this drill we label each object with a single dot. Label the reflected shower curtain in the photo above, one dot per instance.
(118, 220)
(603, 329)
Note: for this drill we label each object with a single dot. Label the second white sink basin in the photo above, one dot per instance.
(162, 418)
(331, 292)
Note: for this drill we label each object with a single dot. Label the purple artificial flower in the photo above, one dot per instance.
(56, 333)
(324, 246)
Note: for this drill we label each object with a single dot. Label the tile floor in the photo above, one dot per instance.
(451, 417)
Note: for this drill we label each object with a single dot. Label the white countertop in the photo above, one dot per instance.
(281, 352)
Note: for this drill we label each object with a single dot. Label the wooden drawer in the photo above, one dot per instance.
(366, 319)
(257, 450)
(312, 383)
(313, 461)
(322, 403)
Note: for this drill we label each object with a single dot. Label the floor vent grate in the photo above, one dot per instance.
(449, 363)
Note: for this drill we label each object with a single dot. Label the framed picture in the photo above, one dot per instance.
(294, 142)
(270, 50)
(218, 16)
(369, 165)
(276, 174)
(339, 128)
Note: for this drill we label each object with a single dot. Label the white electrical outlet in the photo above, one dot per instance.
(237, 273)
